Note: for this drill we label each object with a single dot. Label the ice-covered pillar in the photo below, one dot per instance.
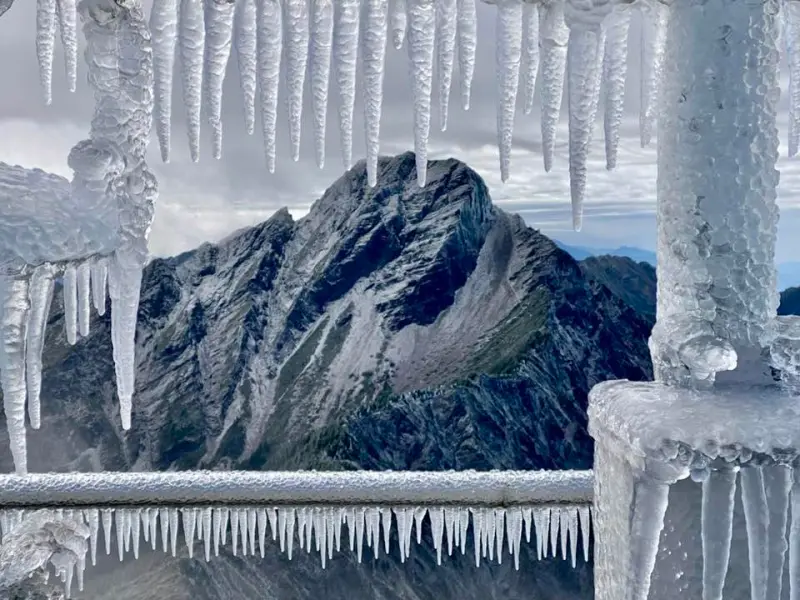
(714, 414)
(717, 212)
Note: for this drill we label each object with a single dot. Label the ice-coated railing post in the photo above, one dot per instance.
(717, 182)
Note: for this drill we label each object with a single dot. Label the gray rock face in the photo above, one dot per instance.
(390, 328)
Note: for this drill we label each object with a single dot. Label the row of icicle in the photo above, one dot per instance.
(320, 37)
(553, 527)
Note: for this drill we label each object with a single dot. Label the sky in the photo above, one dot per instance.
(209, 200)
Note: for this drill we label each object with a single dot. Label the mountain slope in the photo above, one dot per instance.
(390, 328)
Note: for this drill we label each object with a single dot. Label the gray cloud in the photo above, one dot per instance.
(207, 201)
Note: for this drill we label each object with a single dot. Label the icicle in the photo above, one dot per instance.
(290, 523)
(650, 506)
(437, 522)
(449, 526)
(14, 307)
(173, 530)
(70, 290)
(303, 528)
(350, 517)
(272, 515)
(572, 526)
(153, 527)
(93, 517)
(146, 524)
(654, 37)
(345, 54)
(127, 527)
(514, 524)
(373, 517)
(329, 517)
(136, 523)
(508, 57)
(777, 486)
(99, 275)
(499, 531)
(530, 52)
(189, 516)
(262, 531)
(359, 524)
(321, 48)
(80, 569)
(584, 516)
(216, 524)
(717, 523)
(337, 532)
(270, 44)
(386, 521)
(296, 36)
(421, 33)
(527, 519)
(757, 519)
(615, 67)
(235, 532)
(45, 43)
(477, 534)
(398, 21)
(445, 53)
(541, 521)
(219, 36)
(491, 527)
(192, 46)
(321, 527)
(405, 521)
(584, 64)
(119, 526)
(372, 61)
(163, 518)
(791, 12)
(467, 37)
(41, 294)
(464, 518)
(282, 517)
(106, 516)
(68, 24)
(251, 529)
(564, 531)
(243, 529)
(124, 287)
(553, 38)
(84, 291)
(555, 522)
(163, 27)
(207, 516)
(419, 517)
(246, 45)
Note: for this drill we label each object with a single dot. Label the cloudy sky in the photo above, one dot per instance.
(206, 201)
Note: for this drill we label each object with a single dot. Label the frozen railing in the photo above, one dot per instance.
(551, 508)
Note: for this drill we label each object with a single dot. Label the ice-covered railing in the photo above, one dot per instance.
(494, 509)
(91, 233)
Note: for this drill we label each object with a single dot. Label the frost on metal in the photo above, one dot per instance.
(485, 513)
(91, 232)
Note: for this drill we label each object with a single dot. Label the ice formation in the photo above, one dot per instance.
(98, 224)
(64, 538)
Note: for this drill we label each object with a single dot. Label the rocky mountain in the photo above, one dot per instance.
(390, 328)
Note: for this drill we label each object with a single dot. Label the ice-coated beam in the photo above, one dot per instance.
(473, 488)
(717, 211)
(717, 529)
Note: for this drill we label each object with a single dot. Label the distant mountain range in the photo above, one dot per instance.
(788, 272)
(390, 328)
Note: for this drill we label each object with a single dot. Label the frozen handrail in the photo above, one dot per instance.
(204, 488)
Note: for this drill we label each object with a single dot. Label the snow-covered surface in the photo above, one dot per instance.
(489, 488)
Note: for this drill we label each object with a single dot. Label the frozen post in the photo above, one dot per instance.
(724, 364)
